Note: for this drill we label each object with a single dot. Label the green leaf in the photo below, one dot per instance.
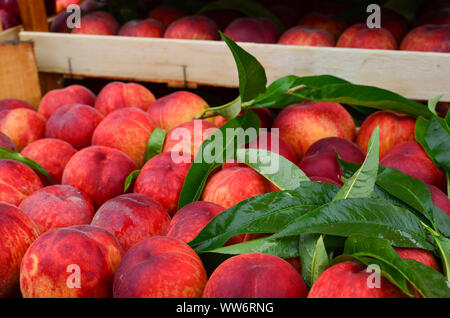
(229, 137)
(131, 177)
(432, 103)
(252, 76)
(361, 184)
(155, 143)
(267, 213)
(275, 168)
(437, 141)
(12, 155)
(364, 216)
(230, 110)
(448, 184)
(320, 261)
(443, 245)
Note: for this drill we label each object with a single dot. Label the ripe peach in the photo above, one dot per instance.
(322, 21)
(166, 15)
(72, 262)
(423, 256)
(410, 158)
(7, 143)
(126, 129)
(176, 109)
(100, 172)
(255, 275)
(131, 218)
(117, 95)
(193, 28)
(162, 179)
(7, 104)
(53, 163)
(74, 94)
(346, 149)
(58, 206)
(394, 23)
(108, 19)
(265, 140)
(75, 124)
(394, 129)
(160, 267)
(360, 36)
(97, 24)
(17, 232)
(17, 181)
(428, 38)
(439, 198)
(306, 36)
(149, 28)
(322, 165)
(251, 30)
(303, 124)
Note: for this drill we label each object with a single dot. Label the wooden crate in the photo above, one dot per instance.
(415, 75)
(11, 34)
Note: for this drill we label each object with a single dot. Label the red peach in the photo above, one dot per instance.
(97, 24)
(166, 15)
(326, 180)
(108, 19)
(58, 206)
(394, 23)
(149, 28)
(271, 31)
(428, 38)
(117, 95)
(75, 124)
(72, 262)
(6, 142)
(439, 198)
(17, 232)
(7, 104)
(265, 141)
(305, 36)
(323, 165)
(346, 149)
(322, 21)
(423, 256)
(193, 28)
(255, 275)
(126, 129)
(160, 267)
(100, 172)
(131, 218)
(74, 94)
(7, 20)
(252, 30)
(360, 36)
(53, 163)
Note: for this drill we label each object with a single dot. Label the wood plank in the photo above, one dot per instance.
(11, 34)
(18, 73)
(415, 75)
(34, 15)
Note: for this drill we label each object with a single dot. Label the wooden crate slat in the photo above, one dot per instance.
(415, 75)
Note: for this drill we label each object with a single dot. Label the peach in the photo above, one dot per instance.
(75, 124)
(346, 149)
(149, 28)
(423, 256)
(394, 23)
(301, 125)
(188, 137)
(100, 172)
(7, 143)
(108, 19)
(322, 21)
(126, 129)
(252, 30)
(17, 181)
(191, 219)
(360, 36)
(305, 36)
(176, 109)
(117, 95)
(271, 31)
(326, 180)
(349, 280)
(7, 104)
(53, 163)
(58, 206)
(428, 38)
(74, 94)
(97, 23)
(255, 275)
(322, 165)
(264, 114)
(72, 262)
(160, 267)
(166, 15)
(22, 126)
(230, 186)
(394, 129)
(439, 198)
(162, 179)
(17, 232)
(132, 218)
(193, 28)
(410, 158)
(265, 140)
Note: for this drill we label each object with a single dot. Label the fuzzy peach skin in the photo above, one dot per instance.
(160, 267)
(193, 28)
(131, 218)
(17, 232)
(58, 206)
(118, 95)
(423, 256)
(428, 38)
(349, 280)
(51, 264)
(166, 15)
(17, 181)
(100, 172)
(162, 178)
(97, 23)
(255, 275)
(126, 129)
(188, 137)
(323, 21)
(22, 126)
(251, 30)
(74, 94)
(74, 123)
(7, 143)
(360, 36)
(303, 124)
(54, 162)
(230, 186)
(410, 158)
(394, 23)
(11, 103)
(108, 19)
(149, 28)
(176, 109)
(439, 198)
(306, 36)
(394, 129)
